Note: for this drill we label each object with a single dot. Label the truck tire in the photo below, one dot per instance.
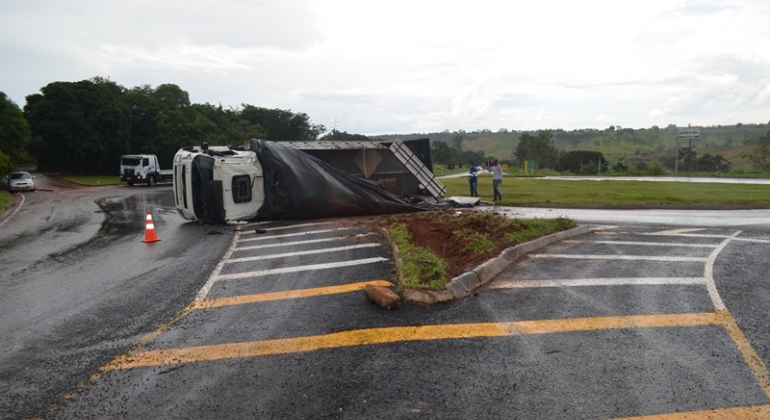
(151, 181)
(130, 183)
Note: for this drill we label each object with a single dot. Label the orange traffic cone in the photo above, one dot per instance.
(149, 232)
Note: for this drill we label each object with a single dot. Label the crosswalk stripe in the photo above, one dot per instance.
(301, 253)
(621, 257)
(296, 243)
(251, 226)
(300, 268)
(642, 243)
(292, 235)
(628, 281)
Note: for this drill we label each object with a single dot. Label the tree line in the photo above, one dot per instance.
(84, 127)
(540, 148)
(454, 155)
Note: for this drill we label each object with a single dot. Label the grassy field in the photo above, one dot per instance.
(6, 199)
(533, 191)
(92, 181)
(518, 191)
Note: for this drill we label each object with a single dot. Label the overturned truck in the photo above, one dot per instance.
(292, 180)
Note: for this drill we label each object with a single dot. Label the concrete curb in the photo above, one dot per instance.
(464, 284)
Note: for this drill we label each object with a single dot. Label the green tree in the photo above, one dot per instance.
(687, 157)
(171, 96)
(83, 127)
(144, 106)
(336, 135)
(14, 135)
(163, 120)
(5, 164)
(477, 157)
(457, 143)
(279, 124)
(713, 163)
(440, 153)
(576, 161)
(539, 148)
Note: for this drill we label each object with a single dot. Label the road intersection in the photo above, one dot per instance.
(623, 321)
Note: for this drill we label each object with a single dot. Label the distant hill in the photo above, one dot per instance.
(615, 142)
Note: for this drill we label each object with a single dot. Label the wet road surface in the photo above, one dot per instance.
(621, 322)
(79, 286)
(639, 318)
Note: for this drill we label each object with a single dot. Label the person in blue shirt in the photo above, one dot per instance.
(474, 180)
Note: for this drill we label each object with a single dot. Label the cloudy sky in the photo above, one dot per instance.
(413, 66)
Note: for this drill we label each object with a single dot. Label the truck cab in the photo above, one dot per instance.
(217, 184)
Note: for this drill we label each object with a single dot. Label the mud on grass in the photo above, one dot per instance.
(447, 243)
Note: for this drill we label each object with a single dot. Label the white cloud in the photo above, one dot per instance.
(414, 66)
(763, 98)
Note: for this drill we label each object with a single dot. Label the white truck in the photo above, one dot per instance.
(267, 180)
(143, 169)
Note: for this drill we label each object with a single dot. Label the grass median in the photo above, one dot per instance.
(436, 246)
(92, 180)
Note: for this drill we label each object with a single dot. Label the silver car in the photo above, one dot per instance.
(20, 181)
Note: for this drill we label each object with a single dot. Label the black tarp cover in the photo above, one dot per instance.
(299, 186)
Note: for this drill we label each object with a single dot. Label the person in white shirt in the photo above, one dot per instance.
(497, 179)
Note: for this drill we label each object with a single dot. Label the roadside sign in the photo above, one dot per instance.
(530, 164)
(690, 134)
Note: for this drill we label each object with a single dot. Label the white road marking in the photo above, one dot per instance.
(15, 211)
(296, 269)
(674, 232)
(619, 281)
(299, 253)
(708, 272)
(311, 241)
(270, 229)
(620, 257)
(641, 243)
(756, 241)
(688, 235)
(292, 235)
(213, 277)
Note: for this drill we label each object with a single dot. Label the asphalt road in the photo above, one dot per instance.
(638, 318)
(80, 287)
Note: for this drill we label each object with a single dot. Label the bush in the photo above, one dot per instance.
(5, 164)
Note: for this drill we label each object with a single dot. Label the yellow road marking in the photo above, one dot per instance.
(737, 413)
(400, 334)
(751, 357)
(287, 294)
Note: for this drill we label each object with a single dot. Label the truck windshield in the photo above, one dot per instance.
(130, 161)
(204, 190)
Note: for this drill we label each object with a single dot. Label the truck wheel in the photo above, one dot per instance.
(130, 183)
(151, 181)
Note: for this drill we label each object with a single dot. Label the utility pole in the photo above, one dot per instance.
(689, 134)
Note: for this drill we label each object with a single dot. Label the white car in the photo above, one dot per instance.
(20, 181)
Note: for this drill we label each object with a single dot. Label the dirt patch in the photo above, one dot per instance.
(464, 238)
